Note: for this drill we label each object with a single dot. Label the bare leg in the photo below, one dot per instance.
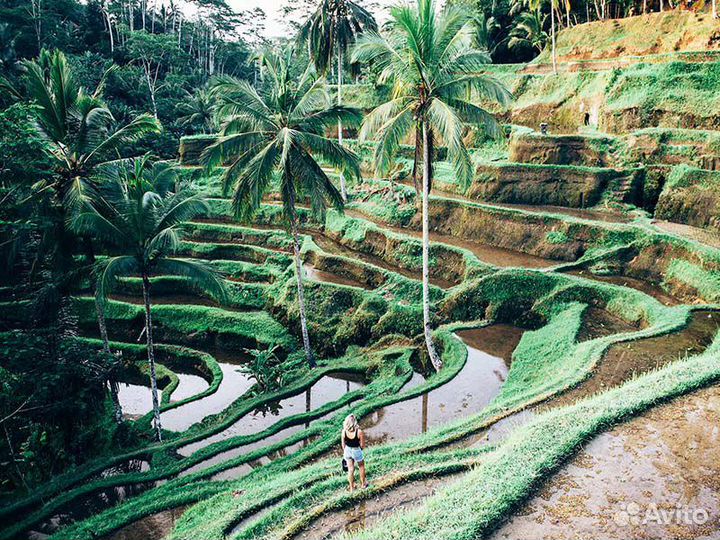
(362, 473)
(351, 473)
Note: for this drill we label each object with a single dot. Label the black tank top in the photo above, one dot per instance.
(353, 442)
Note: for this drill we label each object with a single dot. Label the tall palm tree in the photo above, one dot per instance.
(432, 63)
(138, 215)
(80, 132)
(553, 5)
(330, 31)
(279, 133)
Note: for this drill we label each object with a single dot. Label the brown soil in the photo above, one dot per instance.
(621, 362)
(368, 512)
(600, 322)
(486, 253)
(327, 277)
(711, 238)
(615, 488)
(624, 361)
(638, 284)
(154, 526)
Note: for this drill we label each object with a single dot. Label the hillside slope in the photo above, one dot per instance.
(651, 34)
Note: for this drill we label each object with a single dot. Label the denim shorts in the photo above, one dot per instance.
(356, 454)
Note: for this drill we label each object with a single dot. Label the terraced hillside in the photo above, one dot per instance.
(576, 292)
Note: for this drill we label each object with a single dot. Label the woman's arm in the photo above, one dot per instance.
(342, 439)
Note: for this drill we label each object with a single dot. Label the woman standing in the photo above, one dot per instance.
(353, 442)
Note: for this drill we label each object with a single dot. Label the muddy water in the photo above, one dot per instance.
(667, 460)
(489, 352)
(638, 284)
(314, 274)
(367, 513)
(234, 384)
(327, 389)
(245, 468)
(598, 322)
(241, 470)
(154, 527)
(486, 253)
(621, 362)
(624, 361)
(89, 505)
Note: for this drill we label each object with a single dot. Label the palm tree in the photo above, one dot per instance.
(528, 31)
(77, 125)
(553, 4)
(78, 128)
(433, 65)
(279, 133)
(198, 110)
(138, 215)
(330, 31)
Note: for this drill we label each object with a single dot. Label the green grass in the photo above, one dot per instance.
(547, 361)
(475, 505)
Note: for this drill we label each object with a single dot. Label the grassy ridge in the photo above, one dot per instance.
(487, 494)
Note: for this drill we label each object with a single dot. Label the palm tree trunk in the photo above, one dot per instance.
(100, 309)
(714, 9)
(432, 353)
(151, 356)
(552, 29)
(343, 188)
(301, 293)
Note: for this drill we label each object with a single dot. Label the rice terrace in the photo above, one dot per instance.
(391, 269)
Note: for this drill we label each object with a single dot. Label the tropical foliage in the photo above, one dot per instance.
(435, 71)
(138, 214)
(330, 31)
(279, 134)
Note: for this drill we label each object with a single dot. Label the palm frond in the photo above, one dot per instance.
(201, 276)
(107, 272)
(137, 128)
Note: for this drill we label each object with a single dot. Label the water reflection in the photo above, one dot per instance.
(135, 399)
(489, 352)
(234, 384)
(329, 388)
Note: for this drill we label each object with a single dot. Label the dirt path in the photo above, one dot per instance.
(691, 233)
(654, 477)
(366, 513)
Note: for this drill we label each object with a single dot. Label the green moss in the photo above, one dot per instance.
(556, 237)
(707, 282)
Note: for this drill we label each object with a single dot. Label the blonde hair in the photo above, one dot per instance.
(350, 423)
